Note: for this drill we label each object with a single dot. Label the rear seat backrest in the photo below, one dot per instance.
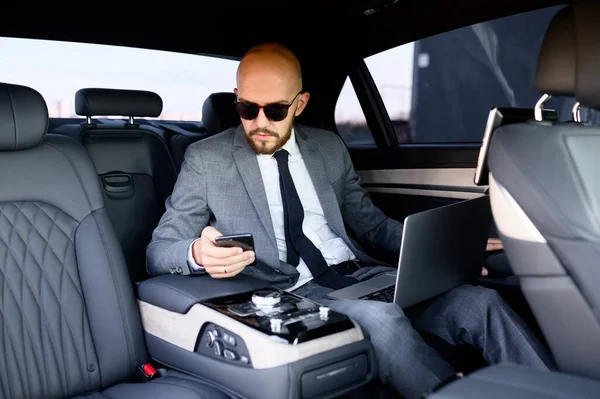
(218, 114)
(133, 162)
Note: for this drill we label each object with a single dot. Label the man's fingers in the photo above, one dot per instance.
(229, 270)
(494, 244)
(221, 252)
(227, 275)
(207, 254)
(210, 233)
(225, 256)
(242, 264)
(484, 272)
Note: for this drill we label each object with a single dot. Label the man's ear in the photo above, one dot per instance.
(235, 90)
(302, 102)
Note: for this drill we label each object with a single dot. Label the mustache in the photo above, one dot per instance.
(263, 131)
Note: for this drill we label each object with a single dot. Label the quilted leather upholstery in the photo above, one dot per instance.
(69, 323)
(43, 334)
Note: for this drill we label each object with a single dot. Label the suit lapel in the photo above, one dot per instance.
(247, 164)
(313, 159)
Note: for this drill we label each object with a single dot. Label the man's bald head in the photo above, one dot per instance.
(268, 76)
(271, 61)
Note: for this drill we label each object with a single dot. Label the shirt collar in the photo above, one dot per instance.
(291, 146)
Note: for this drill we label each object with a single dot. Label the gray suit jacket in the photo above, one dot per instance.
(220, 184)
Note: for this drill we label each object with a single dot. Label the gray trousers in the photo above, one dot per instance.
(468, 314)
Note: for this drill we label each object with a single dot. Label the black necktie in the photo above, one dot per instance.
(298, 245)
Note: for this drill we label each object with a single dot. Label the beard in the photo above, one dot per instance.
(267, 148)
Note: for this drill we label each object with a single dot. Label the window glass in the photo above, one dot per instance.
(392, 71)
(350, 119)
(440, 89)
(58, 69)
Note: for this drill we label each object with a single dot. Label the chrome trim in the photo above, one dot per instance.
(539, 105)
(440, 177)
(425, 192)
(577, 112)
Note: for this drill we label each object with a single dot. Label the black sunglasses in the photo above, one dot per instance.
(275, 112)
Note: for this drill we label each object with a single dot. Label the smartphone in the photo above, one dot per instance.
(244, 241)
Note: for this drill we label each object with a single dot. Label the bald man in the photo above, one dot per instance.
(294, 188)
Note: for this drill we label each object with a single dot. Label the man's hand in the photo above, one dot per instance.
(219, 262)
(494, 244)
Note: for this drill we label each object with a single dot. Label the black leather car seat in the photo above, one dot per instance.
(69, 323)
(545, 195)
(218, 114)
(133, 162)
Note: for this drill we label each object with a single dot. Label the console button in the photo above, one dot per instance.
(266, 298)
(210, 338)
(229, 354)
(218, 348)
(276, 325)
(229, 339)
(324, 312)
(244, 359)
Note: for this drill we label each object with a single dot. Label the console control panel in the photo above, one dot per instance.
(284, 316)
(218, 342)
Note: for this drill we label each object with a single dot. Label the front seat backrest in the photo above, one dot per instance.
(545, 196)
(133, 162)
(68, 319)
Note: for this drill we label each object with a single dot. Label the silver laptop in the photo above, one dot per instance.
(441, 249)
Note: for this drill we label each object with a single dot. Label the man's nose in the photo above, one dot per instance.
(261, 120)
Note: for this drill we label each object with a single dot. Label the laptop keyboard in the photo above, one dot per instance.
(384, 295)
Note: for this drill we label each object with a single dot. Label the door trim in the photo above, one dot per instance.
(437, 182)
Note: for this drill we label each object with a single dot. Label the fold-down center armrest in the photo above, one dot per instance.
(178, 293)
(244, 336)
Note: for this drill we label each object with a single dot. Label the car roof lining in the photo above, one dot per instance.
(341, 27)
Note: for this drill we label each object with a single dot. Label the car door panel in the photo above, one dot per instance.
(405, 180)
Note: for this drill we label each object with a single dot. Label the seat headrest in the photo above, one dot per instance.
(113, 102)
(218, 113)
(556, 68)
(23, 117)
(587, 84)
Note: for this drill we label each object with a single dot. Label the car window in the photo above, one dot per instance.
(58, 69)
(350, 119)
(441, 89)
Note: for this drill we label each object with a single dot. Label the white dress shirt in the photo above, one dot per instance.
(315, 226)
